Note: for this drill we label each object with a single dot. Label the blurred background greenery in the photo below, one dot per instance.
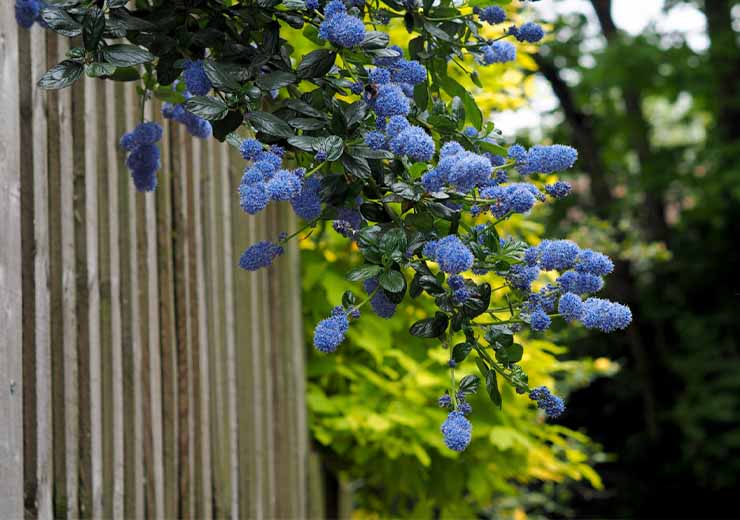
(649, 93)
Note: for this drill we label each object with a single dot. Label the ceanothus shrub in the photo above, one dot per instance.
(378, 140)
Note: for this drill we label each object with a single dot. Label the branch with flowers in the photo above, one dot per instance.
(386, 144)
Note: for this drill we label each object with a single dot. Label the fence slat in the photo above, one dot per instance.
(11, 372)
(115, 386)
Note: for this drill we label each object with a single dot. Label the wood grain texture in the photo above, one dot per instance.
(11, 372)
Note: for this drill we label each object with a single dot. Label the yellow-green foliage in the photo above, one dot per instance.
(373, 407)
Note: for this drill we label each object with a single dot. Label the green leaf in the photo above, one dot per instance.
(224, 127)
(510, 353)
(221, 77)
(96, 70)
(469, 385)
(492, 148)
(333, 147)
(306, 143)
(394, 240)
(307, 123)
(364, 272)
(93, 26)
(492, 388)
(276, 80)
(430, 327)
(375, 40)
(209, 108)
(124, 55)
(363, 150)
(61, 75)
(304, 108)
(59, 21)
(125, 74)
(357, 167)
(316, 64)
(461, 351)
(392, 281)
(270, 124)
(472, 110)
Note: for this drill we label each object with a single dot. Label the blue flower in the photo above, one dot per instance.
(379, 76)
(127, 142)
(307, 204)
(197, 126)
(284, 185)
(312, 5)
(517, 152)
(277, 150)
(570, 307)
(320, 156)
(375, 140)
(452, 255)
(380, 303)
(357, 87)
(558, 190)
(259, 255)
(432, 181)
(430, 249)
(269, 157)
(548, 159)
(340, 28)
(415, 143)
(330, 332)
(195, 78)
(457, 431)
(450, 148)
(605, 315)
(498, 52)
(253, 198)
(492, 15)
(521, 276)
(580, 283)
(445, 401)
(396, 125)
(593, 262)
(539, 320)
(250, 148)
(27, 12)
(530, 32)
(467, 171)
(388, 61)
(147, 133)
(557, 254)
(391, 101)
(411, 72)
(552, 404)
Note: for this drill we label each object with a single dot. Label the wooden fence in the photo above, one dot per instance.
(142, 374)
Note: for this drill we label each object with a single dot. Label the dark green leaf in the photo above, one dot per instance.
(356, 166)
(363, 272)
(221, 77)
(375, 40)
(209, 108)
(124, 55)
(224, 127)
(269, 124)
(125, 74)
(469, 385)
(510, 353)
(362, 150)
(96, 70)
(430, 327)
(392, 281)
(332, 146)
(61, 75)
(307, 123)
(59, 21)
(304, 108)
(306, 143)
(93, 26)
(276, 80)
(461, 351)
(316, 64)
(492, 388)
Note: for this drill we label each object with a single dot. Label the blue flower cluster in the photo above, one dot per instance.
(143, 157)
(264, 181)
(498, 52)
(543, 159)
(517, 197)
(457, 431)
(461, 169)
(395, 78)
(460, 293)
(529, 32)
(450, 253)
(559, 189)
(27, 12)
(409, 140)
(330, 332)
(259, 255)
(196, 126)
(195, 78)
(380, 303)
(492, 14)
(551, 404)
(340, 28)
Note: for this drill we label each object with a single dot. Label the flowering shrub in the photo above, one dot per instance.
(380, 140)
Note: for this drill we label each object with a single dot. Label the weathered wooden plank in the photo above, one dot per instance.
(229, 322)
(28, 309)
(248, 333)
(179, 201)
(218, 417)
(114, 387)
(268, 231)
(134, 454)
(55, 275)
(167, 320)
(155, 469)
(11, 371)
